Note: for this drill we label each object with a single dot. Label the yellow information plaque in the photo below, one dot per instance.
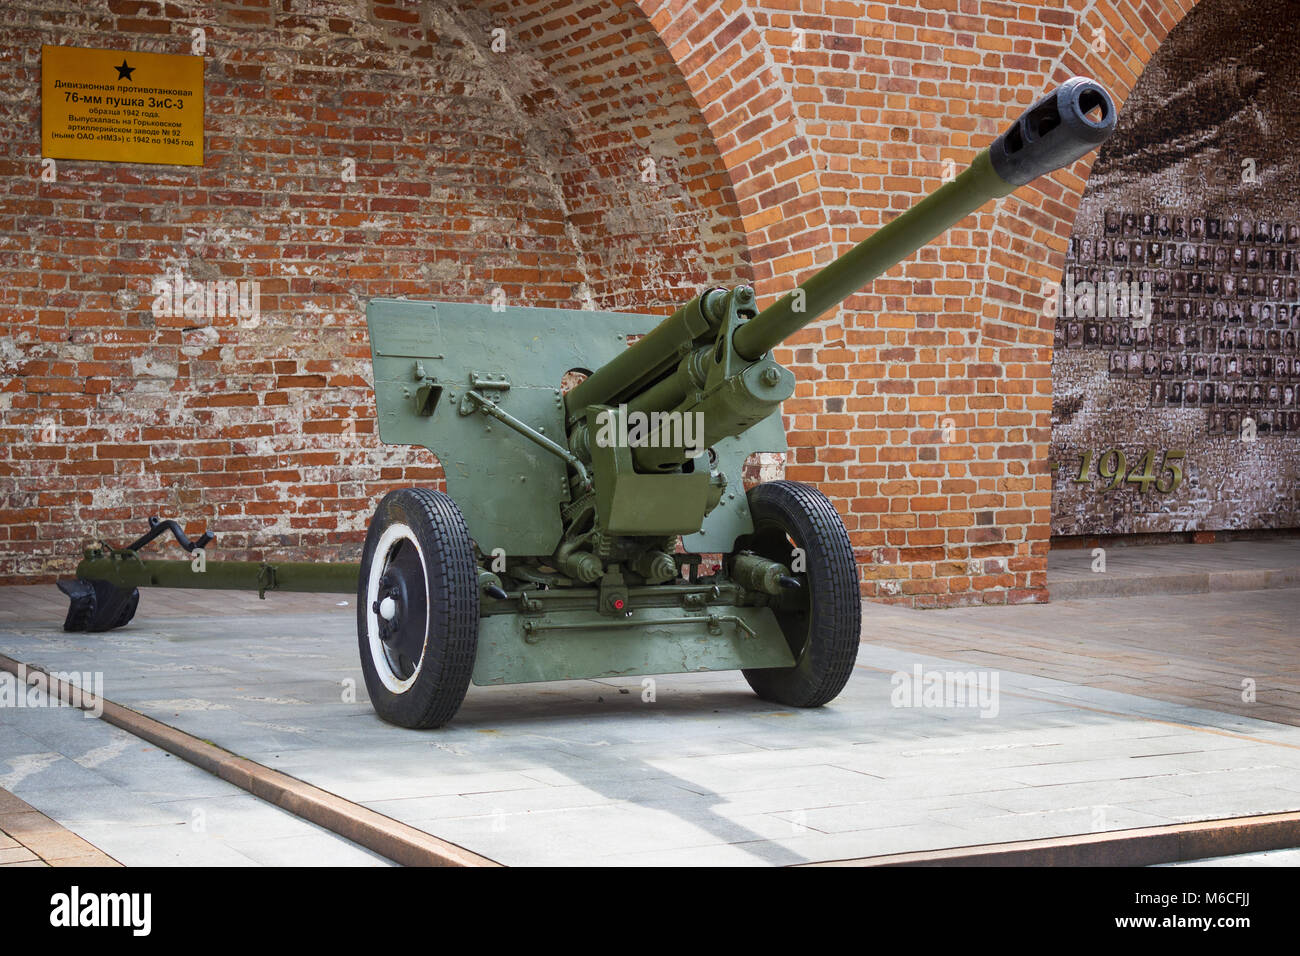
(121, 107)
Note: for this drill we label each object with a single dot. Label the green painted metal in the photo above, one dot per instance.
(721, 393)
(633, 370)
(509, 489)
(492, 410)
(125, 569)
(691, 594)
(759, 574)
(731, 518)
(631, 503)
(514, 649)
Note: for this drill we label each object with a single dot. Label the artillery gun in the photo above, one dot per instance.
(568, 542)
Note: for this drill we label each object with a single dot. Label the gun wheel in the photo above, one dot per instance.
(822, 619)
(417, 608)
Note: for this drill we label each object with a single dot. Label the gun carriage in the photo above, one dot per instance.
(554, 552)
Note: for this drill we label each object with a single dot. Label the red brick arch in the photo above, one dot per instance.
(795, 127)
(832, 118)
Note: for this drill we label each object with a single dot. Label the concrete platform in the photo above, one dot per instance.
(1133, 571)
(1236, 652)
(139, 805)
(591, 772)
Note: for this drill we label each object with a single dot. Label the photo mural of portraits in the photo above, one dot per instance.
(1175, 367)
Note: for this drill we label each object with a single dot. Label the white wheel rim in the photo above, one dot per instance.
(392, 535)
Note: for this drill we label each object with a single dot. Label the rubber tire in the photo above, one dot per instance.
(445, 668)
(828, 634)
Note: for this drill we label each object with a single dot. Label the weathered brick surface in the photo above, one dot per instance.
(474, 170)
(795, 127)
(833, 117)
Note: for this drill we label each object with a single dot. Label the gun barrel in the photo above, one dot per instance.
(1063, 126)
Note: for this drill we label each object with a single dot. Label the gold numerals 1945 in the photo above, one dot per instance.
(1112, 466)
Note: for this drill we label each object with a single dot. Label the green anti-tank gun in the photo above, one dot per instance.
(569, 540)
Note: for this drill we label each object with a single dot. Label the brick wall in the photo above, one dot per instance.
(782, 132)
(474, 171)
(833, 117)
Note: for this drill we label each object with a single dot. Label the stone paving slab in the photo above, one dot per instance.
(1195, 649)
(112, 794)
(588, 772)
(1136, 570)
